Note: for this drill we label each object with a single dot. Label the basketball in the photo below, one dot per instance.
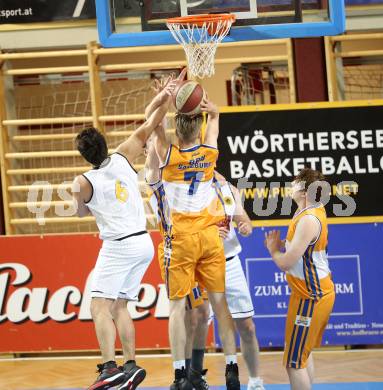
(187, 97)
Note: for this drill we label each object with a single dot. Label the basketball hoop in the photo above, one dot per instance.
(199, 35)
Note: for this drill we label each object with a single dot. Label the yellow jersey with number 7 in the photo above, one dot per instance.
(194, 198)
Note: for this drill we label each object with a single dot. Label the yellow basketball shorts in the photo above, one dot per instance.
(195, 298)
(197, 294)
(187, 259)
(305, 324)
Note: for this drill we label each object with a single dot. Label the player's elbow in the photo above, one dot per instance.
(288, 262)
(284, 267)
(141, 136)
(80, 210)
(81, 214)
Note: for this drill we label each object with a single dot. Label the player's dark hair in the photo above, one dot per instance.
(92, 146)
(310, 177)
(188, 127)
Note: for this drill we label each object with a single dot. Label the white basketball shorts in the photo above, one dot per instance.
(121, 266)
(237, 291)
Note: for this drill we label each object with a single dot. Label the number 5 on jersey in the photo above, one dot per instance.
(121, 192)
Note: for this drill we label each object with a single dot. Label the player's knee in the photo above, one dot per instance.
(219, 304)
(193, 322)
(245, 328)
(100, 307)
(119, 308)
(177, 308)
(291, 372)
(294, 372)
(203, 314)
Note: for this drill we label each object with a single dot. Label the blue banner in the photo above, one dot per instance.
(355, 256)
(363, 2)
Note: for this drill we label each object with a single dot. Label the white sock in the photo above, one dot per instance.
(255, 381)
(179, 364)
(231, 359)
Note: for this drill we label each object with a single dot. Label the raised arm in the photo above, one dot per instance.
(161, 143)
(159, 86)
(152, 162)
(306, 232)
(160, 140)
(212, 128)
(134, 145)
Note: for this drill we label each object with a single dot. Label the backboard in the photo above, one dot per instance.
(256, 19)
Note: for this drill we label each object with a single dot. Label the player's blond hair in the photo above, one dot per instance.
(188, 127)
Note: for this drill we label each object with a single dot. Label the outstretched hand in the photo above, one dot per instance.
(159, 84)
(244, 229)
(166, 85)
(273, 241)
(209, 107)
(182, 75)
(223, 232)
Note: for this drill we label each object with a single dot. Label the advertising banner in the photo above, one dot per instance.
(29, 11)
(45, 301)
(363, 2)
(355, 261)
(262, 151)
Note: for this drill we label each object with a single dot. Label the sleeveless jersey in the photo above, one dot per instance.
(231, 244)
(192, 192)
(310, 277)
(159, 204)
(116, 201)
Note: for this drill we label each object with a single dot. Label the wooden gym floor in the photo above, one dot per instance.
(343, 369)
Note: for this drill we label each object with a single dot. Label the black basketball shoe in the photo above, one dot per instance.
(198, 379)
(181, 382)
(134, 375)
(232, 377)
(109, 376)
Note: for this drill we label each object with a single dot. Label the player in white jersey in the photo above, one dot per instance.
(237, 291)
(110, 192)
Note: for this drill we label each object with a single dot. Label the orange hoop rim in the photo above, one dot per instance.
(199, 20)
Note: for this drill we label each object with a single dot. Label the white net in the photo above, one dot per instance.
(256, 84)
(361, 81)
(200, 41)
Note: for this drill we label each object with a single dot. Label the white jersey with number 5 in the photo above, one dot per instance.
(116, 201)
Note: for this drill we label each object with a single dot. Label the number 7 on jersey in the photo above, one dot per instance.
(195, 177)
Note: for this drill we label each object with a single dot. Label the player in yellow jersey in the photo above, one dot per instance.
(308, 275)
(237, 291)
(196, 298)
(193, 250)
